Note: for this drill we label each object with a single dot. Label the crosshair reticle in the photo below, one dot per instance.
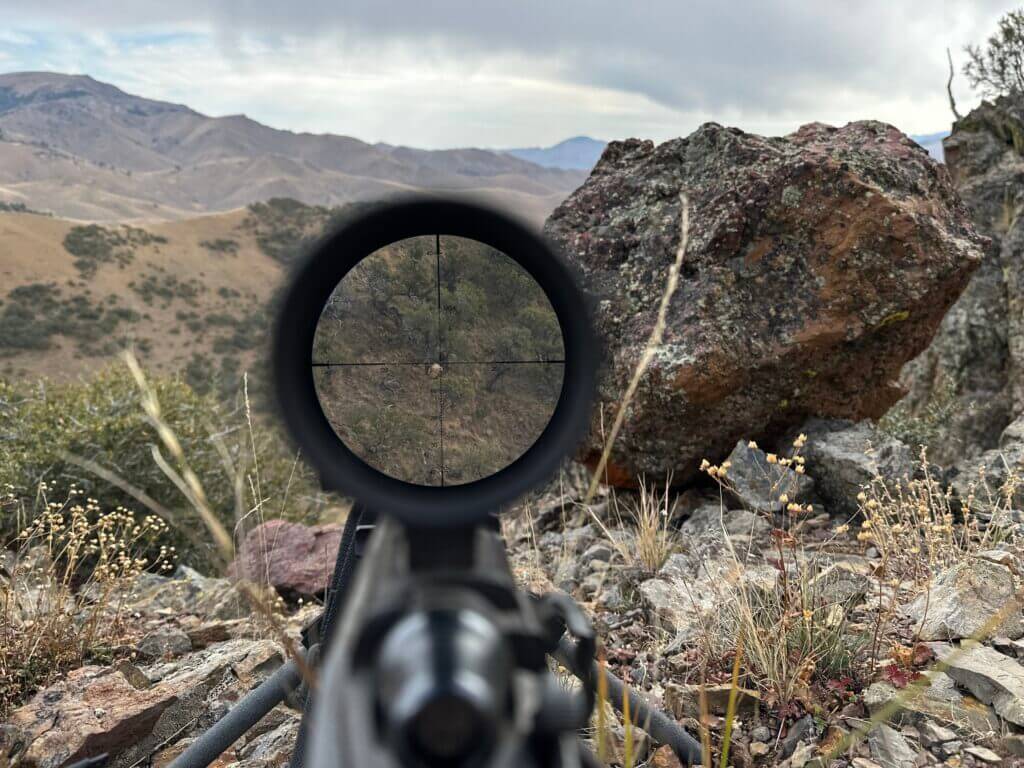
(438, 360)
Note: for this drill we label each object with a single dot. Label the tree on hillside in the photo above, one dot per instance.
(998, 68)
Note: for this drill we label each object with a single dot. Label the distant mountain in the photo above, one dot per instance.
(933, 143)
(85, 149)
(579, 153)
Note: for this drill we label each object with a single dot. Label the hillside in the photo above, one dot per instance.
(85, 149)
(196, 296)
(183, 292)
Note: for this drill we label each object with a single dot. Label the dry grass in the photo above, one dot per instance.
(642, 533)
(62, 593)
(792, 628)
(261, 597)
(920, 529)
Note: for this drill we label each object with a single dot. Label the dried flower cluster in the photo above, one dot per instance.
(920, 528)
(62, 597)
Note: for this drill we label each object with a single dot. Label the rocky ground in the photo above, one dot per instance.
(869, 642)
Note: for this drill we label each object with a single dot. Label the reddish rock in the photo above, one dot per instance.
(818, 264)
(126, 711)
(291, 557)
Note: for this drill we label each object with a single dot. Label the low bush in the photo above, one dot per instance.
(45, 425)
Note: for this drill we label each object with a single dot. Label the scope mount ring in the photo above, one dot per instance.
(359, 235)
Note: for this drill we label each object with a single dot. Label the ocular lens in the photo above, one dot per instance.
(438, 360)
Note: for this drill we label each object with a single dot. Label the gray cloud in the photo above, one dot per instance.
(764, 64)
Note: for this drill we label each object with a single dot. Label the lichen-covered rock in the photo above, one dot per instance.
(818, 264)
(978, 353)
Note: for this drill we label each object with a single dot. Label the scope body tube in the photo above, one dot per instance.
(658, 724)
(248, 711)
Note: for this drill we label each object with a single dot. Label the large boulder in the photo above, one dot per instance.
(818, 263)
(973, 369)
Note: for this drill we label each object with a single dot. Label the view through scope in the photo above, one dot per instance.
(438, 360)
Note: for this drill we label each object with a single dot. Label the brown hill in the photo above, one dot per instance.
(87, 150)
(191, 291)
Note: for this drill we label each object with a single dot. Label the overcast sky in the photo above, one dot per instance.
(432, 73)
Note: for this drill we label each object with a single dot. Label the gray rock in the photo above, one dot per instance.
(761, 733)
(273, 747)
(818, 263)
(984, 754)
(941, 701)
(707, 521)
(1014, 433)
(680, 599)
(951, 748)
(165, 641)
(964, 598)
(599, 552)
(843, 458)
(889, 749)
(933, 734)
(980, 476)
(187, 592)
(143, 709)
(759, 484)
(802, 731)
(1013, 744)
(973, 367)
(989, 675)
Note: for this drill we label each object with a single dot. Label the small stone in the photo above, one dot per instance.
(802, 730)
(890, 749)
(801, 755)
(758, 749)
(760, 484)
(984, 754)
(761, 733)
(933, 733)
(843, 457)
(951, 748)
(598, 552)
(994, 678)
(1013, 743)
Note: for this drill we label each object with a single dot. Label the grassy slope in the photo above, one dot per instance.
(32, 252)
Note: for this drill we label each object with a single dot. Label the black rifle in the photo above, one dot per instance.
(428, 655)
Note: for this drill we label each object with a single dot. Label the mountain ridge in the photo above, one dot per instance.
(69, 142)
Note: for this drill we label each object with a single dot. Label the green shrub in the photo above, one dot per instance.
(94, 245)
(101, 420)
(34, 313)
(221, 245)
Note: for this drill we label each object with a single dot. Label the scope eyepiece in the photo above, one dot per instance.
(441, 687)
